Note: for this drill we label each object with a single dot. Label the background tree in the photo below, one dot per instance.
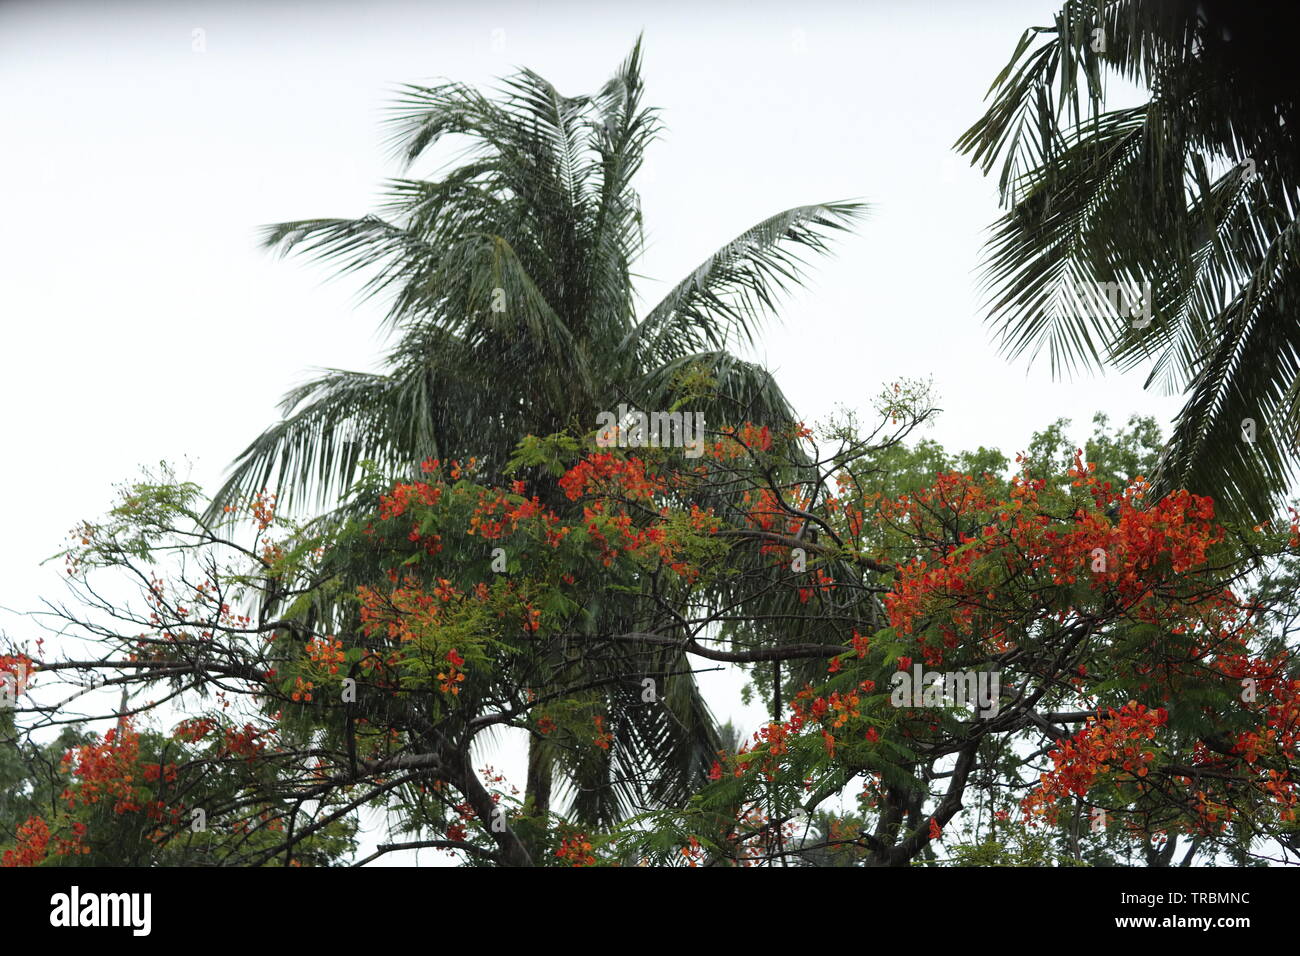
(511, 292)
(1193, 192)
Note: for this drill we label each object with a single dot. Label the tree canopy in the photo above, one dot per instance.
(1135, 690)
(1162, 235)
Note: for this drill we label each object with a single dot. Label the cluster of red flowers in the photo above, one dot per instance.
(450, 677)
(404, 611)
(263, 510)
(1120, 741)
(606, 475)
(496, 514)
(822, 583)
(603, 737)
(302, 690)
(194, 730)
(576, 850)
(248, 742)
(693, 853)
(1126, 559)
(105, 770)
(153, 772)
(396, 503)
(458, 829)
(32, 845)
(326, 653)
(738, 442)
(764, 510)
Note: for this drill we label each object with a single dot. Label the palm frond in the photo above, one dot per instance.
(1195, 193)
(331, 424)
(725, 299)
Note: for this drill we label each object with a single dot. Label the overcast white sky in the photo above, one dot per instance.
(141, 322)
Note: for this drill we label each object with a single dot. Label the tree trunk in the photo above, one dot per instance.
(537, 788)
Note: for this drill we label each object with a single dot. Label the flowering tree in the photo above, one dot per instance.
(292, 675)
(508, 276)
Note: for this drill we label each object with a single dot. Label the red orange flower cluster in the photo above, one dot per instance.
(603, 737)
(451, 676)
(326, 652)
(576, 850)
(32, 845)
(607, 475)
(105, 770)
(1120, 741)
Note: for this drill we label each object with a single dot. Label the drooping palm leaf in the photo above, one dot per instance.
(1194, 192)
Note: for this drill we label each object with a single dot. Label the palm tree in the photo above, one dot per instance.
(510, 282)
(1188, 201)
